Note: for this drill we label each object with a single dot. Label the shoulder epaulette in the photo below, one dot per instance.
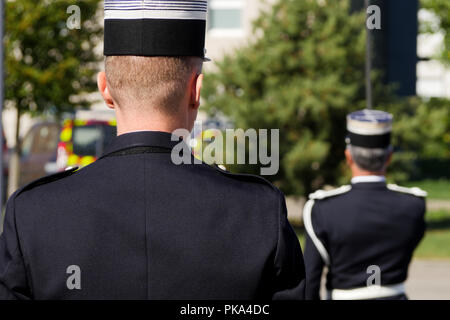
(243, 176)
(322, 194)
(48, 179)
(414, 191)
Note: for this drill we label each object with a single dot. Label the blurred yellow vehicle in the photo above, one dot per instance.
(83, 140)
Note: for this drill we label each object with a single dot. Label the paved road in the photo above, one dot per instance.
(428, 280)
(438, 205)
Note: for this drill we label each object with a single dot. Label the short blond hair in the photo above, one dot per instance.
(158, 82)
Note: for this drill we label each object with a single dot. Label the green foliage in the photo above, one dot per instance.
(421, 137)
(441, 8)
(434, 245)
(48, 65)
(425, 128)
(302, 74)
(439, 219)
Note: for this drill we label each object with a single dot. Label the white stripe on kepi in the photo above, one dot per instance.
(153, 9)
(369, 122)
(155, 14)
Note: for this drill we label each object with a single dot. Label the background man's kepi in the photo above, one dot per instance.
(369, 128)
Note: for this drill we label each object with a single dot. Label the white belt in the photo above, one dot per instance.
(371, 292)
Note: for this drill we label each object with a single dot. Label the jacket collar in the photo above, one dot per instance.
(142, 139)
(365, 179)
(369, 183)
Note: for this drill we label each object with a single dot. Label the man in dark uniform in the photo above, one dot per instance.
(364, 233)
(134, 225)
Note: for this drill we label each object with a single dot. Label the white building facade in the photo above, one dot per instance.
(230, 25)
(433, 78)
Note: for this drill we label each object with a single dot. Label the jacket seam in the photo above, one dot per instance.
(146, 226)
(278, 229)
(19, 249)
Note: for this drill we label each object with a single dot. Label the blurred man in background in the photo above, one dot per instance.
(134, 225)
(364, 233)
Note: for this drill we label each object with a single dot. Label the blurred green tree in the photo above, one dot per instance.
(302, 73)
(422, 138)
(50, 63)
(441, 8)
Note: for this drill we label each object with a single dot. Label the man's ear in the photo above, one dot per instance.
(196, 90)
(348, 157)
(103, 88)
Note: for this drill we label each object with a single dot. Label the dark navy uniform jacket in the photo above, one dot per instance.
(365, 224)
(140, 227)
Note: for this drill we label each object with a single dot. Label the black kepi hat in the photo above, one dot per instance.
(369, 128)
(155, 28)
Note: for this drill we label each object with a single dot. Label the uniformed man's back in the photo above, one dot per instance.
(364, 233)
(136, 224)
(368, 225)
